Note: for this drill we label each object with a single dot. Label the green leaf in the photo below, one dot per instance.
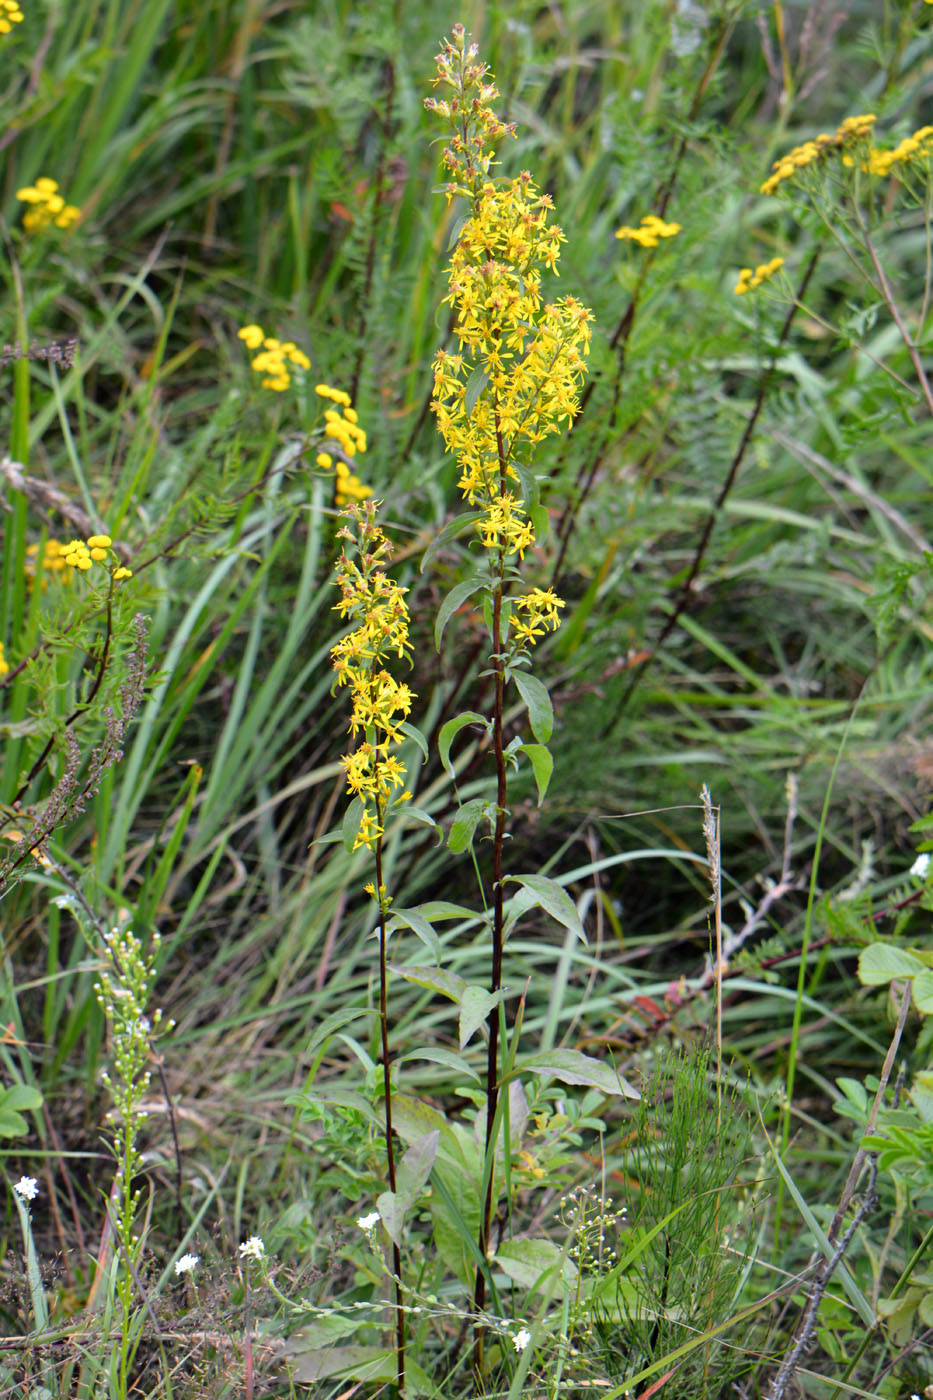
(21, 1096)
(573, 1067)
(418, 814)
(529, 1262)
(442, 909)
(415, 1167)
(923, 992)
(540, 709)
(12, 1124)
(451, 729)
(455, 599)
(883, 962)
(352, 819)
(436, 1054)
(457, 526)
(411, 731)
(475, 1006)
(542, 764)
(419, 925)
(333, 1023)
(464, 825)
(474, 387)
(393, 1206)
(553, 898)
(433, 979)
(455, 1214)
(357, 1363)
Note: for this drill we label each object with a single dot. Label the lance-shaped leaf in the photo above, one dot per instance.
(540, 709)
(449, 732)
(573, 1067)
(552, 897)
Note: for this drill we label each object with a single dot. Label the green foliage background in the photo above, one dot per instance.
(242, 161)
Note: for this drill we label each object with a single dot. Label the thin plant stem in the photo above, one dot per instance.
(495, 980)
(387, 1092)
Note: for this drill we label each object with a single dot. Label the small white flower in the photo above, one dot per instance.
(253, 1248)
(368, 1223)
(27, 1187)
(185, 1265)
(919, 868)
(521, 1339)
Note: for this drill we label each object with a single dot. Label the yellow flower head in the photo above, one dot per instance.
(749, 280)
(47, 206)
(10, 14)
(650, 232)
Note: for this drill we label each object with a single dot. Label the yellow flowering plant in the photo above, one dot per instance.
(857, 187)
(513, 381)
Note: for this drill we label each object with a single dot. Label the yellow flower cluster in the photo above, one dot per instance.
(4, 664)
(47, 206)
(380, 703)
(521, 361)
(343, 432)
(540, 608)
(84, 554)
(274, 357)
(10, 14)
(650, 233)
(917, 147)
(52, 563)
(848, 133)
(749, 280)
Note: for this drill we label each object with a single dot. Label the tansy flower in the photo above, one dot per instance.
(650, 233)
(274, 358)
(749, 280)
(4, 664)
(847, 134)
(10, 14)
(48, 206)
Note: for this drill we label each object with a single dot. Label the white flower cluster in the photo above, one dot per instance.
(253, 1248)
(27, 1187)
